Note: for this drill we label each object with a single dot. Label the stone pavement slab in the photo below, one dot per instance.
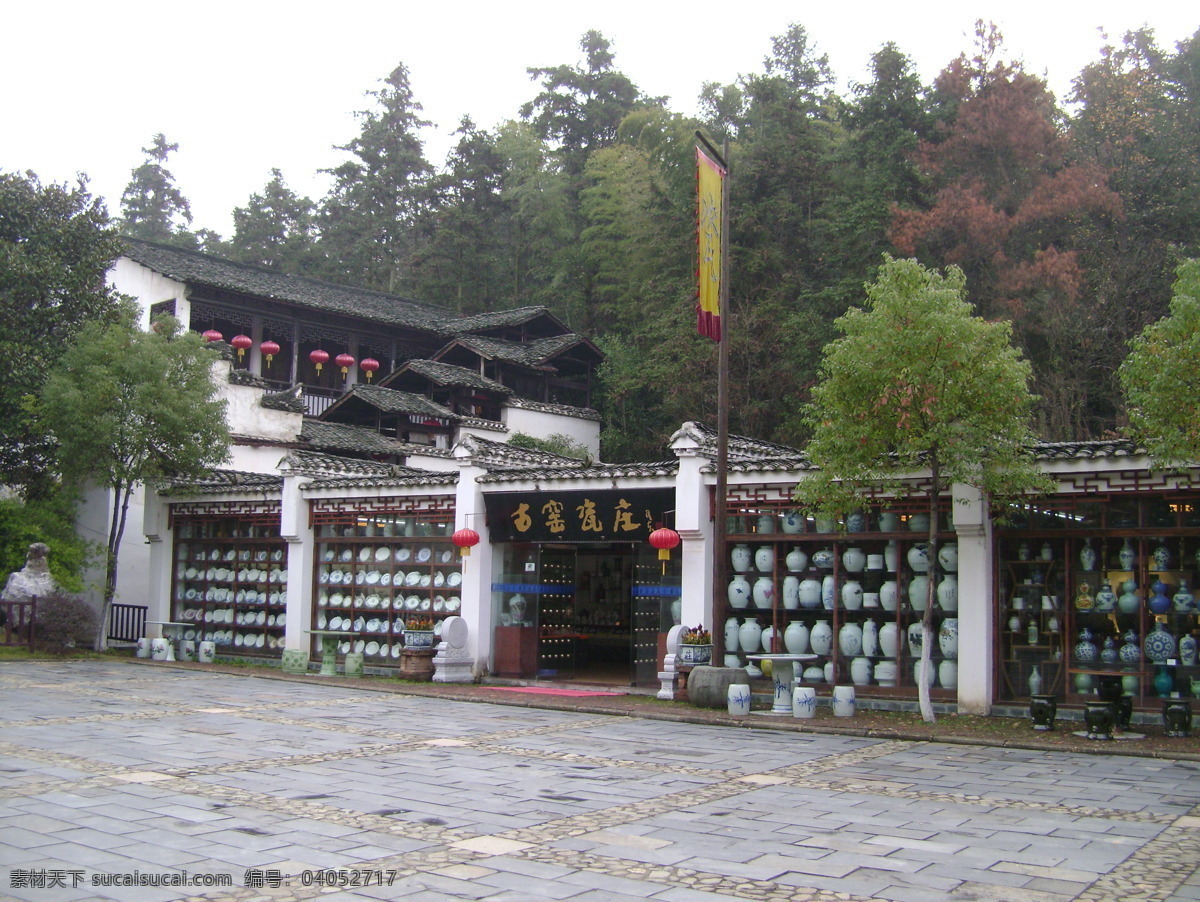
(238, 788)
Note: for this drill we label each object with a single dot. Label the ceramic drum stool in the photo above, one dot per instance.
(739, 699)
(158, 649)
(843, 701)
(187, 650)
(207, 652)
(143, 648)
(804, 702)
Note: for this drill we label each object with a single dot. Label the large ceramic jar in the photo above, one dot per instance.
(850, 639)
(889, 595)
(810, 594)
(948, 674)
(749, 636)
(731, 635)
(1159, 603)
(918, 523)
(1162, 556)
(916, 638)
(766, 524)
(918, 592)
(918, 557)
(856, 521)
(891, 556)
(741, 557)
(823, 559)
(885, 673)
(948, 557)
(796, 560)
(889, 639)
(739, 592)
(947, 593)
(948, 637)
(828, 592)
(764, 593)
(852, 595)
(791, 593)
(764, 559)
(1106, 599)
(860, 671)
(820, 637)
(795, 638)
(854, 560)
(889, 521)
(870, 640)
(792, 522)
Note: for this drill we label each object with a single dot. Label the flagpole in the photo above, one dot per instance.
(720, 518)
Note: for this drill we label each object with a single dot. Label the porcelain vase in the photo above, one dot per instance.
(1158, 644)
(820, 638)
(739, 592)
(810, 594)
(948, 674)
(854, 560)
(764, 559)
(860, 671)
(885, 673)
(852, 595)
(889, 595)
(889, 521)
(764, 593)
(918, 592)
(850, 640)
(795, 638)
(948, 557)
(947, 593)
(870, 639)
(1087, 556)
(889, 640)
(741, 558)
(791, 593)
(918, 558)
(1183, 600)
(828, 592)
(731, 635)
(749, 634)
(796, 560)
(1187, 650)
(1162, 557)
(1127, 557)
(891, 556)
(948, 637)
(792, 522)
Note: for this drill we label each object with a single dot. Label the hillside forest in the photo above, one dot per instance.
(1067, 217)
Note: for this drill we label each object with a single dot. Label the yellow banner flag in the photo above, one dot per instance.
(710, 220)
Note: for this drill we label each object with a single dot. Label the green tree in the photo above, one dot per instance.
(56, 244)
(152, 207)
(916, 383)
(1161, 377)
(276, 229)
(128, 407)
(368, 220)
(49, 519)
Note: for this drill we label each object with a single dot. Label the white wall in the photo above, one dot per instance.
(542, 424)
(149, 288)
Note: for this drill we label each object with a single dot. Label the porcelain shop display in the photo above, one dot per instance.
(947, 593)
(860, 671)
(852, 595)
(889, 639)
(843, 701)
(739, 592)
(741, 557)
(810, 594)
(731, 635)
(791, 593)
(918, 592)
(948, 637)
(1130, 599)
(804, 702)
(828, 592)
(870, 638)
(918, 557)
(1183, 601)
(792, 522)
(1085, 649)
(738, 699)
(764, 559)
(764, 593)
(749, 636)
(795, 638)
(850, 640)
(854, 560)
(1159, 644)
(1127, 557)
(820, 637)
(1087, 556)
(948, 674)
(796, 560)
(885, 673)
(889, 595)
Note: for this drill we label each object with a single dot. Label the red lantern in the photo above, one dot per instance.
(664, 540)
(465, 538)
(269, 349)
(368, 365)
(319, 357)
(241, 342)
(345, 361)
(212, 335)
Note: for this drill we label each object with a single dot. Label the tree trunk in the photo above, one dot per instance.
(927, 634)
(116, 531)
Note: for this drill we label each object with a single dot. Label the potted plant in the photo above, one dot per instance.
(418, 633)
(695, 646)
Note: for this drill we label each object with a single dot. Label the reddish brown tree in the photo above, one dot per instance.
(1007, 206)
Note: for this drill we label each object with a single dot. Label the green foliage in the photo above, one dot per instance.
(50, 520)
(276, 229)
(555, 443)
(917, 381)
(1161, 377)
(128, 407)
(152, 207)
(56, 243)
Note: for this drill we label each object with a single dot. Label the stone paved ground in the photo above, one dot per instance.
(109, 769)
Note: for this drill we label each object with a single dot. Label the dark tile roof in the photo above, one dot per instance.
(194, 268)
(290, 399)
(391, 401)
(583, 413)
(223, 482)
(448, 374)
(660, 469)
(324, 436)
(500, 318)
(745, 453)
(1087, 450)
(328, 471)
(488, 453)
(535, 353)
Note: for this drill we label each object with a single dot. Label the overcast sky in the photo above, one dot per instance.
(246, 86)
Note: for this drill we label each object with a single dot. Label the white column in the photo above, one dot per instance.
(976, 623)
(477, 567)
(300, 549)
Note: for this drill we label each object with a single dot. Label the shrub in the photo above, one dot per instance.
(65, 621)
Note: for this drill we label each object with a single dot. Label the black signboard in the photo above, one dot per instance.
(608, 515)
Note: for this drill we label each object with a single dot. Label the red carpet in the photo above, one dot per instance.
(545, 690)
